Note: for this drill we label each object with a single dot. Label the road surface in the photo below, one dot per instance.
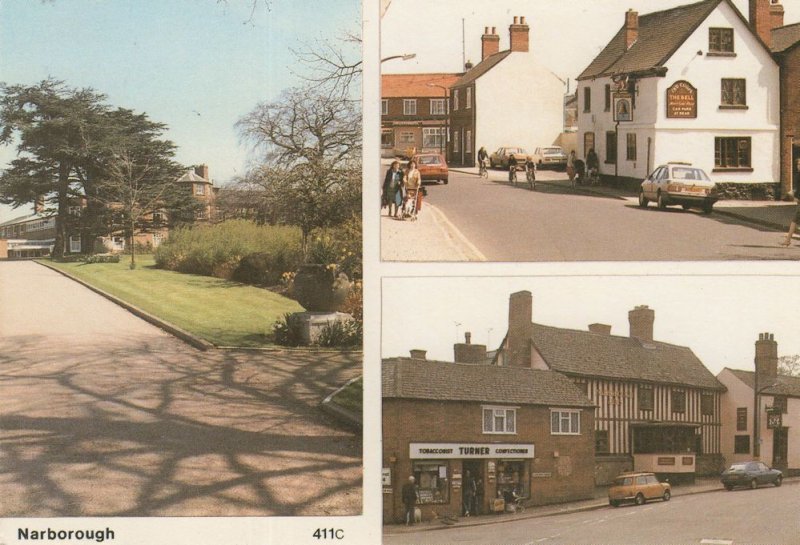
(766, 516)
(555, 223)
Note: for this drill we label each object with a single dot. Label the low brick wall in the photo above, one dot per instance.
(749, 192)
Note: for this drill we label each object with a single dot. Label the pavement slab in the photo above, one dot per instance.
(106, 415)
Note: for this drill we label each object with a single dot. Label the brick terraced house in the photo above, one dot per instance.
(414, 109)
(658, 406)
(511, 429)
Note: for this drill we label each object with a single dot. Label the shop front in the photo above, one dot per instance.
(480, 477)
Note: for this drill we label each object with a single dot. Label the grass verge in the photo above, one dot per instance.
(351, 396)
(222, 312)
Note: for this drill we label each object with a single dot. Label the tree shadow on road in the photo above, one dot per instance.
(162, 429)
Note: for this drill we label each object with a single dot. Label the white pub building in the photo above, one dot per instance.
(692, 84)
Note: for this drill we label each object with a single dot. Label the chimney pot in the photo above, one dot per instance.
(494, 30)
(486, 30)
(490, 44)
(519, 36)
(467, 337)
(766, 360)
(522, 20)
(418, 354)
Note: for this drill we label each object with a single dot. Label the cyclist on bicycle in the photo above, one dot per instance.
(512, 168)
(483, 160)
(530, 168)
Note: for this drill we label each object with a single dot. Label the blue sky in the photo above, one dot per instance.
(173, 59)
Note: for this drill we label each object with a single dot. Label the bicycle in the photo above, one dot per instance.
(512, 174)
(483, 172)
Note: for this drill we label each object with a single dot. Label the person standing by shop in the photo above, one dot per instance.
(409, 494)
(470, 491)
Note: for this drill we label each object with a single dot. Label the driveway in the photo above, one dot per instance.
(105, 415)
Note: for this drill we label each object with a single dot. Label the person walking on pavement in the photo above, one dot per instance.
(793, 225)
(409, 494)
(470, 491)
(592, 164)
(393, 188)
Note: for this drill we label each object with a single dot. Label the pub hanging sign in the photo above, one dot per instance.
(774, 419)
(682, 100)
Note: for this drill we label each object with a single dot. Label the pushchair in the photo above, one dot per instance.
(412, 203)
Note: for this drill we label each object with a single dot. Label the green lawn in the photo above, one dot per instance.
(222, 312)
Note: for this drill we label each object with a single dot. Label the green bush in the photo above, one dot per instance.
(346, 334)
(103, 258)
(219, 250)
(287, 332)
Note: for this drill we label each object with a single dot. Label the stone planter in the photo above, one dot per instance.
(320, 289)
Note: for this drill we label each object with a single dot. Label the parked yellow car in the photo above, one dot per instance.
(637, 487)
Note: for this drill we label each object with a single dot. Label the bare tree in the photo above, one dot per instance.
(789, 365)
(336, 63)
(309, 172)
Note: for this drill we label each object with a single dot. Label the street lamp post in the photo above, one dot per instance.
(404, 56)
(442, 140)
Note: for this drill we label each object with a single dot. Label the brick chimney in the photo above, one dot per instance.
(518, 34)
(641, 320)
(202, 171)
(38, 204)
(601, 329)
(766, 359)
(631, 28)
(490, 43)
(418, 354)
(467, 352)
(766, 15)
(520, 328)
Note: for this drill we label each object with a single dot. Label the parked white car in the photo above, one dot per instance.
(679, 184)
(550, 157)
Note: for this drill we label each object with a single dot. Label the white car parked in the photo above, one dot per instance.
(550, 157)
(681, 184)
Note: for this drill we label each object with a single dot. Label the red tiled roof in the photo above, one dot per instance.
(416, 85)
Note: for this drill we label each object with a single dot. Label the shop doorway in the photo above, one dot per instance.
(780, 440)
(473, 486)
(796, 170)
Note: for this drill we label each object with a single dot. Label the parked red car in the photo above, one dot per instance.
(432, 167)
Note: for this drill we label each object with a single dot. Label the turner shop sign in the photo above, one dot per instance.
(682, 100)
(470, 450)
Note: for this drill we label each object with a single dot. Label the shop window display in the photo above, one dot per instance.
(512, 479)
(432, 482)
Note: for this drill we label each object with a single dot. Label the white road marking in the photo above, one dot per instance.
(716, 541)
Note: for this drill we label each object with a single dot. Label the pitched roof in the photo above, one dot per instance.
(192, 176)
(23, 219)
(610, 356)
(416, 85)
(445, 381)
(785, 37)
(482, 67)
(660, 35)
(783, 385)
